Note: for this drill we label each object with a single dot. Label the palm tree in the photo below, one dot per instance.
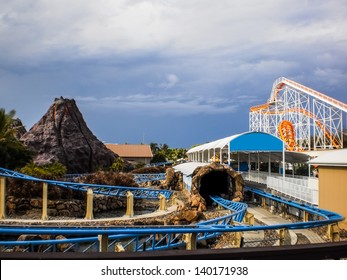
(13, 153)
(7, 132)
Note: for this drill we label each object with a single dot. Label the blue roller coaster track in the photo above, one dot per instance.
(121, 191)
(146, 238)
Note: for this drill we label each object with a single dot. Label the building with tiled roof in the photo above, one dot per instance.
(133, 153)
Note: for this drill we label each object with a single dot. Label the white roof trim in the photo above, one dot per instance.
(218, 144)
(188, 168)
(332, 158)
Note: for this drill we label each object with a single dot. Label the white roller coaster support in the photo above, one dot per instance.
(327, 99)
(314, 116)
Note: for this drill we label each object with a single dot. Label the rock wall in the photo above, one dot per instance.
(31, 208)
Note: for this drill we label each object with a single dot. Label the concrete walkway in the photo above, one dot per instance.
(158, 213)
(268, 218)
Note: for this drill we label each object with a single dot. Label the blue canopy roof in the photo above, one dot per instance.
(246, 142)
(256, 142)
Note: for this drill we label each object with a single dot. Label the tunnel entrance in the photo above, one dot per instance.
(214, 183)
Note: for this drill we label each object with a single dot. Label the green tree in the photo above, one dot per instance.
(13, 154)
(154, 148)
(162, 153)
(158, 157)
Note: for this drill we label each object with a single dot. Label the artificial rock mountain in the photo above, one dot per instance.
(63, 136)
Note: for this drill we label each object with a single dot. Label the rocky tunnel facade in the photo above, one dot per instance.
(217, 179)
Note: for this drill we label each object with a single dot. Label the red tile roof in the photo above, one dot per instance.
(131, 151)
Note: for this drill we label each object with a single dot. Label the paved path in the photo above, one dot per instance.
(268, 218)
(158, 213)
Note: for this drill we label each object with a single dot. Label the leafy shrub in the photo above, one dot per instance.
(51, 171)
(118, 165)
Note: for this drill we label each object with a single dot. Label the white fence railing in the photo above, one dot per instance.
(302, 188)
(257, 177)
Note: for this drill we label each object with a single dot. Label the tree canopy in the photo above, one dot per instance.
(13, 153)
(162, 153)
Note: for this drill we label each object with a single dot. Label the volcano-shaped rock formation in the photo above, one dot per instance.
(62, 135)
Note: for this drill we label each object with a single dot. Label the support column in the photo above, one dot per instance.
(238, 239)
(44, 200)
(272, 206)
(333, 232)
(263, 202)
(284, 161)
(238, 161)
(190, 239)
(283, 210)
(89, 210)
(162, 202)
(2, 198)
(284, 234)
(249, 219)
(103, 243)
(130, 204)
(249, 165)
(306, 216)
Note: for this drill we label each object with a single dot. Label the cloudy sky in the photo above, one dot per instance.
(167, 71)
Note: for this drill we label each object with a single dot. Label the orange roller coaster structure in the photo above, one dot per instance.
(304, 118)
(287, 134)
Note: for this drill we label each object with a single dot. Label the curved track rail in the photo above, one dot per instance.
(144, 193)
(146, 238)
(281, 82)
(141, 178)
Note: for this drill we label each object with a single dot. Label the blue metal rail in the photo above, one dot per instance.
(146, 237)
(141, 178)
(152, 237)
(139, 239)
(121, 191)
